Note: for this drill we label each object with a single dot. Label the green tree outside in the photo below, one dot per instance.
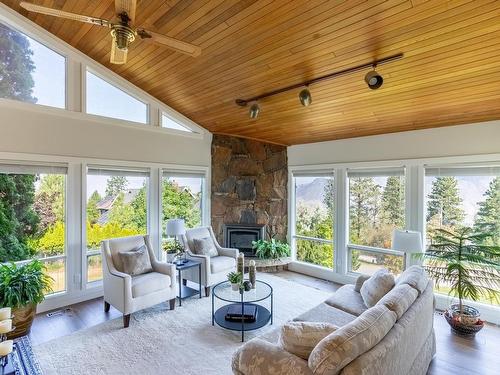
(488, 216)
(444, 205)
(92, 211)
(116, 185)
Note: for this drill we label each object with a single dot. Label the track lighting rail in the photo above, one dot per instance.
(385, 60)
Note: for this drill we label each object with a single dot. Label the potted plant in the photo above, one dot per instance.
(173, 249)
(271, 249)
(462, 260)
(22, 287)
(236, 279)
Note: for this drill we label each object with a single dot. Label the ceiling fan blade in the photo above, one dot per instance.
(118, 56)
(176, 44)
(126, 6)
(60, 13)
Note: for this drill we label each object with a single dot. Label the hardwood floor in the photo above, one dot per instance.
(455, 355)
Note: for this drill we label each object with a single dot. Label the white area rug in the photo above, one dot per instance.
(160, 341)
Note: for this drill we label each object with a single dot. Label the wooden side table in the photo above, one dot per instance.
(184, 290)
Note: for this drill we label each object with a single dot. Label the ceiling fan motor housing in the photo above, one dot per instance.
(123, 36)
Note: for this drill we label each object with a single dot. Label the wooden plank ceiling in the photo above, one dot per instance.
(450, 73)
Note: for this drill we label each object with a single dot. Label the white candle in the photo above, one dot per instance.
(6, 347)
(6, 326)
(5, 313)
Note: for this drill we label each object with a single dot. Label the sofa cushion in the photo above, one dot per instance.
(136, 261)
(414, 276)
(326, 313)
(342, 346)
(360, 281)
(377, 286)
(399, 299)
(348, 300)
(149, 283)
(219, 264)
(205, 246)
(300, 338)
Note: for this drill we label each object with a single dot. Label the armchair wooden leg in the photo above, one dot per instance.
(172, 304)
(106, 306)
(184, 282)
(126, 320)
(207, 291)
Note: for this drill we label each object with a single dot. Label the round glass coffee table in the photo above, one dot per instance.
(244, 311)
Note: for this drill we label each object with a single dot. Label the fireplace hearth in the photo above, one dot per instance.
(240, 236)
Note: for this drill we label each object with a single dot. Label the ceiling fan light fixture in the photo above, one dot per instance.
(305, 97)
(373, 79)
(122, 35)
(254, 110)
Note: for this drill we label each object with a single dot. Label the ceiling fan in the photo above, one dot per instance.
(122, 30)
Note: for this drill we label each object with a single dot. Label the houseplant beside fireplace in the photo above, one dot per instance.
(23, 287)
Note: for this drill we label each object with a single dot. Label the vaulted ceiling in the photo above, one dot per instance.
(450, 73)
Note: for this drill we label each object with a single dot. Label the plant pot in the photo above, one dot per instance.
(23, 319)
(465, 324)
(170, 257)
(235, 287)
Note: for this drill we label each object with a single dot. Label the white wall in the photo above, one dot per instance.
(473, 139)
(27, 128)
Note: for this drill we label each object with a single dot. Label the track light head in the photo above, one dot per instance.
(305, 97)
(373, 80)
(254, 110)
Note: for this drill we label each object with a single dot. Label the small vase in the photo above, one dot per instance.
(235, 287)
(252, 273)
(241, 263)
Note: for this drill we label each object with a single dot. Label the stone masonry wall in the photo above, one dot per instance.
(249, 185)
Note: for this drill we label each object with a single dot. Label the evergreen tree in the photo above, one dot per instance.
(139, 206)
(488, 216)
(16, 66)
(92, 211)
(18, 220)
(53, 186)
(115, 185)
(393, 202)
(328, 198)
(445, 202)
(364, 195)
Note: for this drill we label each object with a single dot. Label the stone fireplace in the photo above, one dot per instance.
(241, 236)
(249, 186)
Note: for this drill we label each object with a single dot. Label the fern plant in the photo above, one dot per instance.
(22, 285)
(271, 249)
(460, 259)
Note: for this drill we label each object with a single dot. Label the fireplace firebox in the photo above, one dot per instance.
(240, 236)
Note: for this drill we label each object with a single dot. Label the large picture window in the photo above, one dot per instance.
(117, 201)
(376, 208)
(105, 99)
(463, 196)
(29, 71)
(33, 217)
(314, 213)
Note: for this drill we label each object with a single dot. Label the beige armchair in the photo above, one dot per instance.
(213, 269)
(127, 293)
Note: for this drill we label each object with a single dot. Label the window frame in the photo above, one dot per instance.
(182, 123)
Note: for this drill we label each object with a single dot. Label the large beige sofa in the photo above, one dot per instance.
(394, 337)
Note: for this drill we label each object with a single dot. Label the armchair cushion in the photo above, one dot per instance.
(205, 246)
(221, 263)
(136, 261)
(149, 283)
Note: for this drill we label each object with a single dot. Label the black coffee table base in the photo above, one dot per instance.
(264, 316)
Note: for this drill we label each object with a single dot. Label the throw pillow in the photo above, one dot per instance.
(300, 338)
(360, 281)
(377, 286)
(205, 246)
(136, 262)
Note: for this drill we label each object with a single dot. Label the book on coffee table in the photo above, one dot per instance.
(234, 313)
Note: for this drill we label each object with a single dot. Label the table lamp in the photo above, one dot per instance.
(407, 241)
(175, 227)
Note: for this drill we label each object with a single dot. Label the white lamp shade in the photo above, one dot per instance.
(175, 227)
(407, 241)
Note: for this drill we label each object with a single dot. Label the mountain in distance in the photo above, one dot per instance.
(312, 191)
